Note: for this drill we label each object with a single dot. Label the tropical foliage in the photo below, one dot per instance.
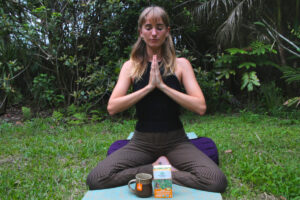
(59, 53)
(244, 61)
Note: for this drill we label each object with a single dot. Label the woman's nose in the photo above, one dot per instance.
(154, 31)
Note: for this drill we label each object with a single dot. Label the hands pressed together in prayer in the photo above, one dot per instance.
(155, 79)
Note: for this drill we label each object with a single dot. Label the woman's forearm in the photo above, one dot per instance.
(195, 104)
(119, 104)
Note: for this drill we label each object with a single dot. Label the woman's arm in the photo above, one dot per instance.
(119, 99)
(193, 99)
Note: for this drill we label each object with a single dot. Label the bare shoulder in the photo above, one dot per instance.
(126, 69)
(127, 65)
(183, 65)
(182, 61)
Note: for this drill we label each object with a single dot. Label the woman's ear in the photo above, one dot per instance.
(169, 29)
(141, 34)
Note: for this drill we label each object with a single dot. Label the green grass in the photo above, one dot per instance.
(42, 160)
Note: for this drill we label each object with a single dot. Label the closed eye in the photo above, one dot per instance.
(160, 27)
(148, 27)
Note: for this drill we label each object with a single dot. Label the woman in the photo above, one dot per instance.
(157, 75)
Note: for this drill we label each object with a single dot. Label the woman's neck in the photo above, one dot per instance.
(151, 52)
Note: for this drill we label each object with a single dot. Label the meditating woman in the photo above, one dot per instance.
(157, 76)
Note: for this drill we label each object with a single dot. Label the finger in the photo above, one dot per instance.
(154, 59)
(152, 72)
(153, 62)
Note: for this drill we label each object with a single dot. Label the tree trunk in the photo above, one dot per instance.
(280, 30)
(3, 104)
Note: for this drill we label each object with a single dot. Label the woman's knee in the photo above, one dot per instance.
(219, 184)
(92, 182)
(95, 180)
(215, 180)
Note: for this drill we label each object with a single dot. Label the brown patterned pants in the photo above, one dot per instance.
(196, 170)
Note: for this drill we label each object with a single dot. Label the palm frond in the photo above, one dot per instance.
(206, 10)
(290, 74)
(232, 14)
(292, 101)
(226, 32)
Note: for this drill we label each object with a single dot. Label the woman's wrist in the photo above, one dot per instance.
(149, 87)
(162, 86)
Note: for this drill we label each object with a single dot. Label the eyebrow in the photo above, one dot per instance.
(156, 24)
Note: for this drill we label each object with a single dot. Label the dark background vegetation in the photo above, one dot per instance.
(67, 54)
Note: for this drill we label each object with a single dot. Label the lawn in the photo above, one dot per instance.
(42, 159)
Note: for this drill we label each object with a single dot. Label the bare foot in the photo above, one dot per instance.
(163, 160)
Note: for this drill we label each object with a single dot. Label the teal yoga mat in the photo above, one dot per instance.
(190, 135)
(123, 193)
(179, 192)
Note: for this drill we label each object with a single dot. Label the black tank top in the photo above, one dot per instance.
(157, 112)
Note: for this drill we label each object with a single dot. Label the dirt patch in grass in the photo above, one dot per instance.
(14, 114)
(6, 160)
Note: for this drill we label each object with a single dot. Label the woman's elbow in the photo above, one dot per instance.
(110, 110)
(202, 110)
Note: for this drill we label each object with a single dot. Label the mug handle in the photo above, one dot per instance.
(132, 181)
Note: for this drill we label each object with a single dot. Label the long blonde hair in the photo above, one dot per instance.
(139, 55)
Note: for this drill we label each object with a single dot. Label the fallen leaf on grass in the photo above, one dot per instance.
(17, 182)
(282, 198)
(228, 151)
(266, 196)
(19, 123)
(79, 141)
(5, 160)
(104, 132)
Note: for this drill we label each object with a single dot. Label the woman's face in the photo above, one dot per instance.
(154, 32)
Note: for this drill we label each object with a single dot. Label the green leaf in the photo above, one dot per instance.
(234, 51)
(256, 82)
(56, 14)
(224, 59)
(254, 79)
(245, 80)
(273, 51)
(245, 77)
(247, 65)
(40, 9)
(232, 72)
(250, 87)
(227, 75)
(244, 85)
(249, 79)
(260, 24)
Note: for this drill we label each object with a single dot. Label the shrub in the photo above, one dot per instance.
(44, 91)
(26, 113)
(216, 96)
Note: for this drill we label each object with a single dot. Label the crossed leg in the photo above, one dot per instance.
(195, 169)
(120, 167)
